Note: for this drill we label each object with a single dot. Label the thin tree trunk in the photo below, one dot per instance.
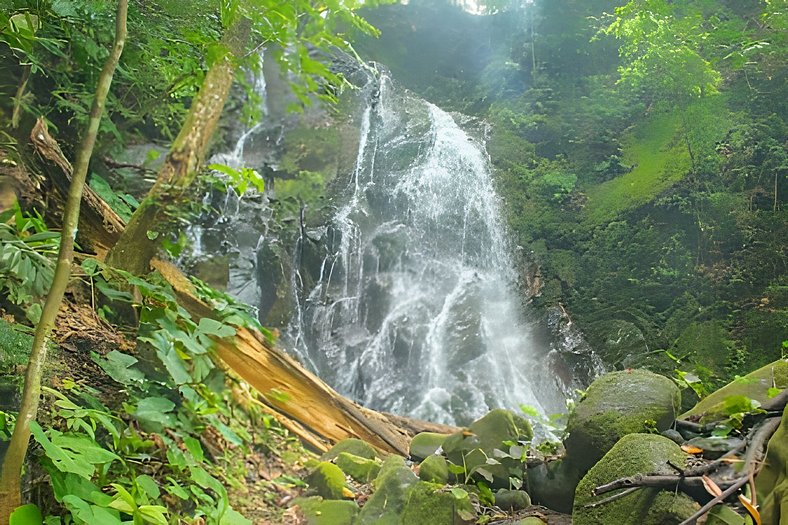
(140, 240)
(10, 496)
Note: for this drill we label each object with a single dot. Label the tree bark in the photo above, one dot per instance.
(136, 247)
(10, 496)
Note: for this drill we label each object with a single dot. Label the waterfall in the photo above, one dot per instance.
(416, 310)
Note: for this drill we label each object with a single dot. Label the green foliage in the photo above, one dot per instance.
(142, 459)
(27, 260)
(122, 203)
(660, 51)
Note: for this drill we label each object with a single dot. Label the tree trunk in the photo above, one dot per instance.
(136, 246)
(309, 400)
(10, 496)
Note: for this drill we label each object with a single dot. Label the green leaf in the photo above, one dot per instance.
(28, 514)
(87, 448)
(118, 365)
(194, 447)
(111, 293)
(152, 412)
(458, 493)
(215, 328)
(233, 517)
(153, 514)
(61, 459)
(149, 485)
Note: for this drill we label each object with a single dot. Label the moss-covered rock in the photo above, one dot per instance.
(615, 405)
(353, 446)
(390, 464)
(512, 499)
(427, 503)
(387, 503)
(772, 482)
(434, 469)
(634, 454)
(553, 484)
(318, 511)
(360, 469)
(754, 385)
(426, 444)
(327, 480)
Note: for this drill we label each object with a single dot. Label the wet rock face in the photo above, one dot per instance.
(634, 454)
(615, 405)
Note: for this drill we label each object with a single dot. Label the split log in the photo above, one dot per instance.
(99, 225)
(318, 412)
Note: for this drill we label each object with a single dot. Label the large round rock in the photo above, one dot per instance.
(634, 454)
(615, 405)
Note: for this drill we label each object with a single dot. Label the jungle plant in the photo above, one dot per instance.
(27, 252)
(10, 496)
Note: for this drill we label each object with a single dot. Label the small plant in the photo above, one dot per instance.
(27, 260)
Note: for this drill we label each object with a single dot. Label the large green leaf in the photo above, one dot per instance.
(26, 515)
(61, 459)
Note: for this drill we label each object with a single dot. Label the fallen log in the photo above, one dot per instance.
(318, 413)
(99, 225)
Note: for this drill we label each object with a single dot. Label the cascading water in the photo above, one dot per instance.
(415, 310)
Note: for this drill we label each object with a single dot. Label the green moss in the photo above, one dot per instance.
(634, 454)
(388, 501)
(353, 446)
(615, 405)
(327, 480)
(754, 385)
(318, 511)
(389, 465)
(427, 503)
(14, 346)
(360, 469)
(707, 343)
(434, 469)
(658, 161)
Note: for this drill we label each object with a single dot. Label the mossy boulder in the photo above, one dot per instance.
(434, 469)
(512, 499)
(387, 503)
(634, 454)
(428, 503)
(390, 464)
(617, 404)
(772, 482)
(353, 446)
(360, 469)
(318, 511)
(426, 444)
(553, 484)
(327, 480)
(754, 385)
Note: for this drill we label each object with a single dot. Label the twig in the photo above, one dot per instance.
(655, 481)
(739, 483)
(614, 497)
(759, 439)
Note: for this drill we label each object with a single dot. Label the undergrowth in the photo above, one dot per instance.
(163, 448)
